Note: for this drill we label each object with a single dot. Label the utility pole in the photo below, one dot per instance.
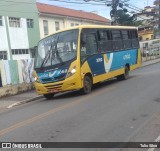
(113, 4)
(113, 12)
(159, 14)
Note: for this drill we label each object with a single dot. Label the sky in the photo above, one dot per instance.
(102, 10)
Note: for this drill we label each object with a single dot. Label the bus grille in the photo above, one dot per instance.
(55, 86)
(50, 80)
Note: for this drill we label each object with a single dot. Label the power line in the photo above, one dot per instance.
(102, 1)
(125, 3)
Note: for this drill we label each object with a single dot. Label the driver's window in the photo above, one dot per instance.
(88, 44)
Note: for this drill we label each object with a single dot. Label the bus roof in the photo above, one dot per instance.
(94, 26)
(107, 26)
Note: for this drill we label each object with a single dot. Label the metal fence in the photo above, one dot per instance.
(150, 53)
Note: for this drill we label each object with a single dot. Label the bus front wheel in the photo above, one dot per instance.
(124, 76)
(87, 85)
(49, 96)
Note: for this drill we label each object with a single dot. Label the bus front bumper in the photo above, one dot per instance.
(69, 84)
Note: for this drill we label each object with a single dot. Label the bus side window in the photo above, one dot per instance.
(104, 41)
(117, 40)
(126, 40)
(134, 37)
(89, 44)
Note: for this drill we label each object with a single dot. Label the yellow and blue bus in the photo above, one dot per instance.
(77, 58)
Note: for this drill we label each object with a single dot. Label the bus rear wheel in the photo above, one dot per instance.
(124, 76)
(49, 96)
(87, 85)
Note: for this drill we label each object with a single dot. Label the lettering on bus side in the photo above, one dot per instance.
(99, 60)
(127, 57)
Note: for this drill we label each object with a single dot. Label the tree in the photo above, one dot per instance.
(138, 23)
(123, 18)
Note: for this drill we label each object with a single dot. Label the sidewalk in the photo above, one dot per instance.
(146, 63)
(9, 102)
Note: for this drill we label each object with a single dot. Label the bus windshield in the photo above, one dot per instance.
(57, 49)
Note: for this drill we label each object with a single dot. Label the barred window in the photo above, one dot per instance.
(72, 24)
(20, 51)
(45, 26)
(14, 22)
(3, 55)
(1, 21)
(30, 23)
(57, 26)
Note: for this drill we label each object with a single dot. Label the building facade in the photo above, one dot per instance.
(145, 33)
(53, 18)
(19, 28)
(157, 14)
(146, 17)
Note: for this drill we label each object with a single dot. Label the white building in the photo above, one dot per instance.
(146, 16)
(53, 18)
(157, 13)
(19, 29)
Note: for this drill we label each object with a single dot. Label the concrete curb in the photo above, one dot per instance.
(24, 101)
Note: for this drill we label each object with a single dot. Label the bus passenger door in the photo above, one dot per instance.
(89, 53)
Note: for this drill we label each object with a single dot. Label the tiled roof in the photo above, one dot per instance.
(51, 9)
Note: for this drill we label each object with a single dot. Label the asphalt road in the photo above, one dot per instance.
(115, 111)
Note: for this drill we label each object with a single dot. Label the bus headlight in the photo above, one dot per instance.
(70, 73)
(36, 79)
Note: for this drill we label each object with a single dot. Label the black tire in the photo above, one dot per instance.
(87, 85)
(49, 96)
(124, 76)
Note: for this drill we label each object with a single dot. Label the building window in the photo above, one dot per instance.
(1, 21)
(72, 24)
(45, 26)
(30, 23)
(3, 55)
(140, 38)
(77, 24)
(20, 51)
(57, 26)
(14, 22)
(152, 37)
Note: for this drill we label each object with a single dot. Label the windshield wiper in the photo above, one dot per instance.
(55, 54)
(44, 60)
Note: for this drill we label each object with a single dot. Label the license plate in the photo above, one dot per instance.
(53, 91)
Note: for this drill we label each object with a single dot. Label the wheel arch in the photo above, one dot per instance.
(89, 75)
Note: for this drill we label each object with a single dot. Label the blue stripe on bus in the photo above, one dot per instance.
(121, 58)
(116, 60)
